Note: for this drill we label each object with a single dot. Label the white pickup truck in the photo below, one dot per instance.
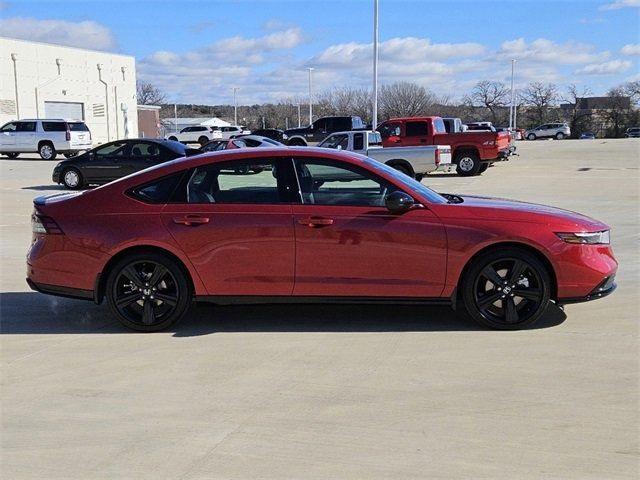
(413, 161)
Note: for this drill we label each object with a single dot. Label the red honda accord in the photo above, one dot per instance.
(306, 224)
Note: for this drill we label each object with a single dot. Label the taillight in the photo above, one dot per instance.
(437, 156)
(42, 224)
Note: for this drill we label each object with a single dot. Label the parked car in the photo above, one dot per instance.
(412, 161)
(558, 131)
(114, 160)
(632, 132)
(152, 242)
(587, 136)
(480, 127)
(48, 137)
(454, 125)
(272, 133)
(472, 152)
(226, 133)
(199, 134)
(318, 130)
(250, 141)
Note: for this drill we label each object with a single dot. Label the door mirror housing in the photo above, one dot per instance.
(398, 202)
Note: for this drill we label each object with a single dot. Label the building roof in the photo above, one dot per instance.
(206, 121)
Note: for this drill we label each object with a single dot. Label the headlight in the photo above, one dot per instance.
(589, 238)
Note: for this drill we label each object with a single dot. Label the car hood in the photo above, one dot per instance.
(487, 208)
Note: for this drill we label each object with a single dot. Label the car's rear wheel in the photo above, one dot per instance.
(559, 136)
(47, 151)
(506, 289)
(531, 136)
(175, 139)
(11, 155)
(203, 141)
(72, 179)
(467, 164)
(148, 292)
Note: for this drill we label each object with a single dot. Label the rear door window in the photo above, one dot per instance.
(54, 126)
(358, 141)
(416, 129)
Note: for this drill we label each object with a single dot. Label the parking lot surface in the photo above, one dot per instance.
(319, 391)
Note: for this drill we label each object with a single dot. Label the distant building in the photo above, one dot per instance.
(40, 80)
(149, 121)
(170, 125)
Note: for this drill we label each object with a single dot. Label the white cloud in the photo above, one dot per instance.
(87, 34)
(606, 68)
(618, 4)
(631, 49)
(547, 51)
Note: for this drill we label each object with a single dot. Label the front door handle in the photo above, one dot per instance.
(191, 220)
(314, 222)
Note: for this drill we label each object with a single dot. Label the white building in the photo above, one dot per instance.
(39, 80)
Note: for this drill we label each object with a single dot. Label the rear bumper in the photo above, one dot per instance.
(61, 291)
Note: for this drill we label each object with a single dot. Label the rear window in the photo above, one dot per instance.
(415, 129)
(54, 126)
(439, 126)
(158, 191)
(78, 127)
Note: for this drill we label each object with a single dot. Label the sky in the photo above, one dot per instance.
(197, 51)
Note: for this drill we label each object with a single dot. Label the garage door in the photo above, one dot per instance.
(66, 110)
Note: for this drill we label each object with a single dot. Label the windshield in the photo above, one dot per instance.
(409, 183)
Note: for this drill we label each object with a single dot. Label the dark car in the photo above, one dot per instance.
(272, 133)
(632, 132)
(117, 159)
(587, 136)
(321, 128)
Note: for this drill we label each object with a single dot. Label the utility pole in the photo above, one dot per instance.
(512, 110)
(175, 117)
(374, 121)
(310, 97)
(299, 119)
(235, 106)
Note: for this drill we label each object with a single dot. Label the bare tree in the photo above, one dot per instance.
(619, 111)
(577, 117)
(345, 101)
(149, 94)
(493, 96)
(405, 99)
(540, 97)
(632, 89)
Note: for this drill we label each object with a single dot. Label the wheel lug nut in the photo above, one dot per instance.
(499, 289)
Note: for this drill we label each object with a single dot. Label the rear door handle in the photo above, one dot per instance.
(191, 220)
(316, 221)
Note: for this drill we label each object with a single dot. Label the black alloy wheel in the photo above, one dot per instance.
(148, 292)
(506, 289)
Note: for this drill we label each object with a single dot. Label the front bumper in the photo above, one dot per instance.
(56, 175)
(605, 288)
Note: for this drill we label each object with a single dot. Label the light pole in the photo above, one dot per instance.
(235, 106)
(299, 119)
(374, 121)
(310, 96)
(512, 110)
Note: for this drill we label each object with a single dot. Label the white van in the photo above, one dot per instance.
(48, 137)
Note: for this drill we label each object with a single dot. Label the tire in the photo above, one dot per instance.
(419, 177)
(11, 155)
(483, 168)
(203, 141)
(467, 164)
(47, 151)
(142, 302)
(531, 136)
(513, 271)
(72, 179)
(297, 142)
(402, 168)
(173, 138)
(559, 136)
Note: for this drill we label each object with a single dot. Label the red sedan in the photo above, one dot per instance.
(309, 225)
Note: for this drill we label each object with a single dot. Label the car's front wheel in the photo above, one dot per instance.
(531, 136)
(467, 164)
(72, 179)
(148, 292)
(506, 289)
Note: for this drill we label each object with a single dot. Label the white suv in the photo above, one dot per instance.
(196, 134)
(549, 130)
(227, 133)
(48, 137)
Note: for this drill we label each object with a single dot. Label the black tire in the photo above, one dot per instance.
(297, 142)
(47, 151)
(203, 141)
(514, 271)
(467, 164)
(559, 136)
(11, 155)
(173, 138)
(483, 168)
(531, 136)
(133, 300)
(419, 177)
(402, 168)
(72, 178)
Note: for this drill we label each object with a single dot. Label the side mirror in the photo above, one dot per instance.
(398, 202)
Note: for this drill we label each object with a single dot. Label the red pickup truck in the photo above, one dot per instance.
(471, 152)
